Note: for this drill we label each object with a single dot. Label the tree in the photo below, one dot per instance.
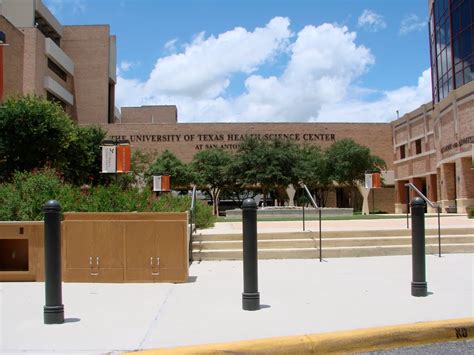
(34, 133)
(311, 169)
(168, 164)
(83, 156)
(211, 168)
(268, 164)
(348, 162)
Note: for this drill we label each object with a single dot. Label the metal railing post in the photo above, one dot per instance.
(303, 219)
(319, 211)
(439, 232)
(320, 239)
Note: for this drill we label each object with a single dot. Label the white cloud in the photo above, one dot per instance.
(204, 69)
(411, 23)
(371, 21)
(170, 46)
(126, 66)
(316, 84)
(57, 6)
(404, 99)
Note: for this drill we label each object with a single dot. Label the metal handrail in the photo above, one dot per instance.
(192, 222)
(433, 205)
(315, 205)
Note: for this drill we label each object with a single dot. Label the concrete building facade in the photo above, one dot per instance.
(433, 144)
(430, 147)
(72, 65)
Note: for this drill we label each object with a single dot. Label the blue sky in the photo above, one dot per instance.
(266, 60)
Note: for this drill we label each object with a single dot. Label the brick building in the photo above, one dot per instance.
(433, 144)
(430, 147)
(72, 65)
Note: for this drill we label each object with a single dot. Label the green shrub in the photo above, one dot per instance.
(33, 190)
(204, 217)
(24, 198)
(9, 202)
(470, 212)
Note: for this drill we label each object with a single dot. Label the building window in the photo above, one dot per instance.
(402, 151)
(452, 45)
(53, 98)
(418, 146)
(56, 69)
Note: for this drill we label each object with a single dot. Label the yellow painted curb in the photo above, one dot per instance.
(371, 339)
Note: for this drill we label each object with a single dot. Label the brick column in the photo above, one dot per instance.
(400, 197)
(448, 186)
(465, 184)
(432, 191)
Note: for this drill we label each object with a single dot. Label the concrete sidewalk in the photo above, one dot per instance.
(297, 297)
(431, 222)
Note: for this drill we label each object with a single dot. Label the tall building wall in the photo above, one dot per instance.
(88, 47)
(12, 67)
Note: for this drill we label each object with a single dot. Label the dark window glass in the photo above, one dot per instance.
(53, 98)
(468, 74)
(466, 43)
(57, 70)
(447, 33)
(402, 152)
(465, 14)
(459, 79)
(456, 18)
(457, 49)
(418, 146)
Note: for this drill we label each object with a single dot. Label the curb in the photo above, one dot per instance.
(363, 340)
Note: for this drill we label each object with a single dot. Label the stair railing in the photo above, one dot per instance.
(192, 223)
(409, 187)
(315, 205)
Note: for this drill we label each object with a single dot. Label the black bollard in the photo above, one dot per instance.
(54, 309)
(250, 296)
(419, 287)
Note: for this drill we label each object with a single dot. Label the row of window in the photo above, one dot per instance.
(418, 150)
(452, 45)
(57, 70)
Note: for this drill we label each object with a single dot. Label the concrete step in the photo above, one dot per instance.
(328, 242)
(331, 252)
(334, 234)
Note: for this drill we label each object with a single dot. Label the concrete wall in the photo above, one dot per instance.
(34, 61)
(447, 135)
(12, 59)
(150, 114)
(186, 139)
(88, 47)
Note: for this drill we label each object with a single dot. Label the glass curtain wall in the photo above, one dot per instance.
(451, 42)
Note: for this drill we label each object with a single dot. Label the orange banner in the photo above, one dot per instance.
(376, 181)
(165, 183)
(123, 158)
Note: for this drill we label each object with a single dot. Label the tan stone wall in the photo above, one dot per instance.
(12, 59)
(149, 114)
(34, 62)
(186, 139)
(382, 200)
(88, 48)
(449, 129)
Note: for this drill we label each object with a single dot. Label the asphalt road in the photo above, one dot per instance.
(452, 347)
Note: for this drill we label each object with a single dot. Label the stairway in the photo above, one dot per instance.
(305, 245)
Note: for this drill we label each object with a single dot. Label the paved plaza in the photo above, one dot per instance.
(297, 297)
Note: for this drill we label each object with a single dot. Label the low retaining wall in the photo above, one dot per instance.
(291, 212)
(101, 247)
